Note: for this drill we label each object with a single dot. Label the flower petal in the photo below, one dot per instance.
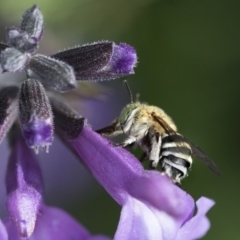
(161, 193)
(24, 187)
(197, 226)
(123, 60)
(99, 237)
(3, 232)
(139, 222)
(121, 174)
(153, 207)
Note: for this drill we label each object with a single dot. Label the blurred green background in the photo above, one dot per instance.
(189, 58)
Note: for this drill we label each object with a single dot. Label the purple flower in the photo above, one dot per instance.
(98, 61)
(31, 101)
(152, 206)
(28, 216)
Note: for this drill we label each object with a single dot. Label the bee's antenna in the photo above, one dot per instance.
(129, 91)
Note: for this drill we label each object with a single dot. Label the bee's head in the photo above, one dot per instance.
(128, 113)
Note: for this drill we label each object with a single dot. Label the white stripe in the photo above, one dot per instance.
(179, 167)
(171, 144)
(178, 155)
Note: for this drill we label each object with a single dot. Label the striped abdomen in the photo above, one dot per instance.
(175, 157)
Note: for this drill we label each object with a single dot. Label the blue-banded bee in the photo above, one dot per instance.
(155, 132)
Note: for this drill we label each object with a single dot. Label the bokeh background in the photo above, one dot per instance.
(189, 58)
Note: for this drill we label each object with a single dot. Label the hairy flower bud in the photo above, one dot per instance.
(35, 115)
(66, 119)
(100, 61)
(32, 22)
(8, 109)
(53, 74)
(12, 60)
(21, 40)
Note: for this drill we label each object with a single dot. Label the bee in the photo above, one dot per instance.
(155, 132)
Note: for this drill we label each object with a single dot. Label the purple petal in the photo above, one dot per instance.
(24, 187)
(161, 193)
(12, 60)
(138, 221)
(197, 226)
(121, 174)
(153, 207)
(54, 223)
(99, 237)
(124, 59)
(3, 232)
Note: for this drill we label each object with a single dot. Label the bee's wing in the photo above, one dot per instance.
(164, 125)
(202, 156)
(195, 149)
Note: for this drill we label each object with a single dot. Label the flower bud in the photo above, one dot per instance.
(100, 61)
(32, 22)
(53, 74)
(35, 115)
(12, 60)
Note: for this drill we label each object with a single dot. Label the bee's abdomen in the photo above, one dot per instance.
(175, 156)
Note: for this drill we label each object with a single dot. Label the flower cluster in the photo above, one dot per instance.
(152, 206)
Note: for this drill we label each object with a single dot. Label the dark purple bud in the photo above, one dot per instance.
(100, 61)
(24, 188)
(12, 60)
(8, 109)
(66, 120)
(52, 73)
(32, 22)
(21, 40)
(91, 57)
(35, 115)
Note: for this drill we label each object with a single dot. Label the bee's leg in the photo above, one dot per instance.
(128, 141)
(143, 157)
(112, 130)
(155, 147)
